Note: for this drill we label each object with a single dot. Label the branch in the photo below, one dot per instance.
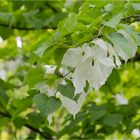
(28, 126)
(5, 114)
(63, 77)
(51, 7)
(38, 131)
(25, 28)
(132, 18)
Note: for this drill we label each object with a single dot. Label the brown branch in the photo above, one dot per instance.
(63, 77)
(25, 28)
(38, 131)
(51, 7)
(28, 126)
(5, 114)
(132, 18)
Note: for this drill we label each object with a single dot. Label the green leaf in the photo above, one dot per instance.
(58, 55)
(19, 122)
(41, 49)
(34, 76)
(69, 24)
(136, 6)
(112, 120)
(46, 105)
(98, 114)
(135, 35)
(80, 37)
(34, 119)
(108, 7)
(67, 90)
(64, 27)
(5, 33)
(21, 105)
(5, 17)
(114, 78)
(5, 85)
(32, 20)
(113, 22)
(3, 98)
(3, 122)
(124, 45)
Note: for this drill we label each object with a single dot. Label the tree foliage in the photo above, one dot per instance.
(69, 69)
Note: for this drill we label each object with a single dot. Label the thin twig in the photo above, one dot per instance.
(100, 31)
(7, 115)
(51, 7)
(61, 82)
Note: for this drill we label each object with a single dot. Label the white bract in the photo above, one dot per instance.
(72, 106)
(92, 64)
(49, 69)
(124, 45)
